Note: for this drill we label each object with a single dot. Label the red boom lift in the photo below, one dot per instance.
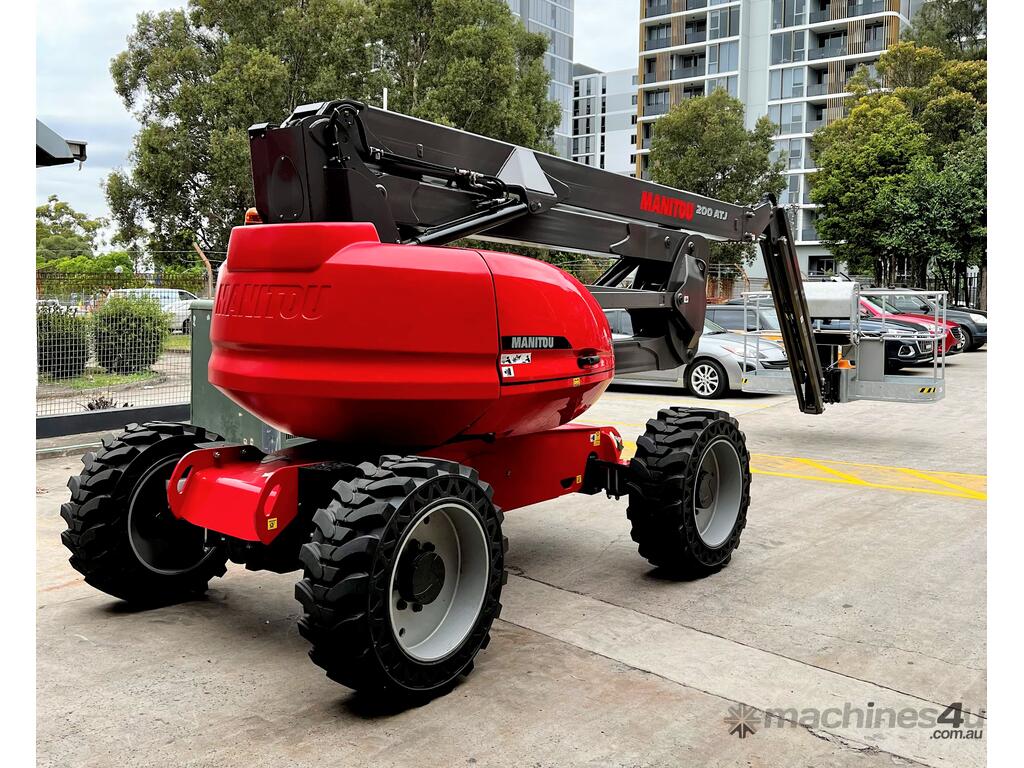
(437, 386)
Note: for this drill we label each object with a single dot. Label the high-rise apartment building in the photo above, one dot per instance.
(789, 59)
(554, 18)
(604, 119)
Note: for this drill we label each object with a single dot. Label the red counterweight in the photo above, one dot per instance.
(322, 331)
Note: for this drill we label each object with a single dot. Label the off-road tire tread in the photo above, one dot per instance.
(345, 572)
(662, 475)
(96, 518)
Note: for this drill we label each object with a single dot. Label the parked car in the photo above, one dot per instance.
(973, 323)
(176, 302)
(955, 342)
(899, 353)
(718, 366)
(730, 316)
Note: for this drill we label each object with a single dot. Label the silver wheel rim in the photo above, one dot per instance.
(718, 492)
(704, 380)
(453, 534)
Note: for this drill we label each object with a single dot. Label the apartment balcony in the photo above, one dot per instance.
(870, 46)
(650, 77)
(809, 235)
(817, 16)
(657, 9)
(695, 37)
(817, 89)
(656, 43)
(827, 52)
(849, 11)
(795, 126)
(867, 7)
(693, 5)
(682, 73)
(655, 109)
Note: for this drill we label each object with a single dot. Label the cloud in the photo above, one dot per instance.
(607, 33)
(75, 41)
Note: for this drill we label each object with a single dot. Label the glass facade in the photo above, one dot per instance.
(554, 19)
(789, 59)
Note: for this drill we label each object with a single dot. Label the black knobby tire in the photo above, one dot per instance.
(346, 592)
(121, 539)
(663, 489)
(701, 392)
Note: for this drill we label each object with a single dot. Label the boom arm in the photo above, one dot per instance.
(419, 182)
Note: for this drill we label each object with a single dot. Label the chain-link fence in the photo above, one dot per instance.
(113, 340)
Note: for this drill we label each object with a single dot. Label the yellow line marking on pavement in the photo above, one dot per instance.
(875, 476)
(940, 481)
(828, 470)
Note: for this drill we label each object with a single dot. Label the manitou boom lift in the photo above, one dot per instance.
(433, 388)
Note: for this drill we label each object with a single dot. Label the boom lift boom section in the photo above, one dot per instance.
(423, 183)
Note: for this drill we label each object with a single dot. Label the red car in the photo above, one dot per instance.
(954, 340)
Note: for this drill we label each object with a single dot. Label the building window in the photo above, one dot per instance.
(786, 83)
(724, 23)
(723, 57)
(728, 84)
(788, 13)
(788, 117)
(788, 46)
(659, 36)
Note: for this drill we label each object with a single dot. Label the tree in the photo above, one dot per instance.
(865, 162)
(901, 180)
(958, 28)
(703, 146)
(469, 64)
(197, 77)
(62, 232)
(948, 97)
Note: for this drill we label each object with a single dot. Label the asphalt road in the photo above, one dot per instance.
(856, 599)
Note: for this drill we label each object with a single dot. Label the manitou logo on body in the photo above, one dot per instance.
(534, 342)
(256, 300)
(667, 206)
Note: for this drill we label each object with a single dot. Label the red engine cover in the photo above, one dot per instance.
(324, 332)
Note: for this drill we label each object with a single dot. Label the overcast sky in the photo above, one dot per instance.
(76, 39)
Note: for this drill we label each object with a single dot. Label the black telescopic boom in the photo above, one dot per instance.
(423, 183)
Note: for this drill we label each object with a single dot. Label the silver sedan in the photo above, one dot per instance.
(718, 366)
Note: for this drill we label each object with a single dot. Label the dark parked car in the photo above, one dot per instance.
(898, 353)
(973, 324)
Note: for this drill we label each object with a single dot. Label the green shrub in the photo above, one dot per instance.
(62, 341)
(129, 334)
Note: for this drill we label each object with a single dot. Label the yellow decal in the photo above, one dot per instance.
(927, 390)
(579, 479)
(272, 524)
(576, 382)
(595, 439)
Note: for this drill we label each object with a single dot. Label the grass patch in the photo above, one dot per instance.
(178, 341)
(100, 380)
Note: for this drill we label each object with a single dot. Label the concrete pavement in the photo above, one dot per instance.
(841, 596)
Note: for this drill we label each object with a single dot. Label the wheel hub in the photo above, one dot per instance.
(420, 574)
(439, 581)
(706, 489)
(718, 492)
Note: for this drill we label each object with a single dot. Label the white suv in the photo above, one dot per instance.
(174, 301)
